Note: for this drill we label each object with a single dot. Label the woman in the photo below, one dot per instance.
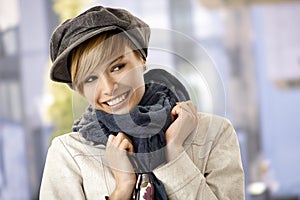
(141, 137)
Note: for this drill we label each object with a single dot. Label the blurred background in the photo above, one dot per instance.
(253, 44)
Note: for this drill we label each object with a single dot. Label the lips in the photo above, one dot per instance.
(118, 100)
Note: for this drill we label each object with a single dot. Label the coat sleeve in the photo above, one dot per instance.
(222, 177)
(61, 177)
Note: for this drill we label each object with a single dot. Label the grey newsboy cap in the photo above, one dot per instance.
(90, 23)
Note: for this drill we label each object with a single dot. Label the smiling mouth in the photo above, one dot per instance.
(118, 100)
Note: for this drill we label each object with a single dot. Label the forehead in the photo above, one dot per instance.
(126, 53)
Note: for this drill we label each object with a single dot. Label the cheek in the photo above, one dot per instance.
(133, 79)
(89, 94)
(137, 84)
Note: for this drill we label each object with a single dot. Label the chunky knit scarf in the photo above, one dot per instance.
(145, 125)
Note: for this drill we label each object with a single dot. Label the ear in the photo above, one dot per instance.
(144, 65)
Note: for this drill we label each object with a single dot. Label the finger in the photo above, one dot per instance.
(110, 141)
(190, 107)
(126, 145)
(175, 111)
(111, 138)
(118, 139)
(188, 103)
(181, 109)
(123, 142)
(187, 106)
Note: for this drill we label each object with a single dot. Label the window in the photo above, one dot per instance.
(9, 101)
(8, 42)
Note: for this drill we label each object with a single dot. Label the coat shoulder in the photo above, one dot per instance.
(210, 127)
(75, 144)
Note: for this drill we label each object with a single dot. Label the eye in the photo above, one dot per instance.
(90, 79)
(117, 67)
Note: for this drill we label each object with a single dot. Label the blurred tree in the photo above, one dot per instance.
(60, 111)
(66, 9)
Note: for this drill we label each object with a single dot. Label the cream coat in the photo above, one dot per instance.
(209, 169)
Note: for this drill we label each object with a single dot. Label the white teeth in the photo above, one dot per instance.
(116, 100)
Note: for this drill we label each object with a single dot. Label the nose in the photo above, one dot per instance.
(107, 85)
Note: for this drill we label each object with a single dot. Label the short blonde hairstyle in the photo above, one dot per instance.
(99, 50)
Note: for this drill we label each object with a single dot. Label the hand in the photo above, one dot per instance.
(185, 119)
(116, 152)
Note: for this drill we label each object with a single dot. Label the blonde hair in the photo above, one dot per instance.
(99, 50)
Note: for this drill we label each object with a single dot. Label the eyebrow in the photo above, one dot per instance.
(115, 60)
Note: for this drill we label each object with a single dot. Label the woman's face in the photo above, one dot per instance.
(118, 87)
